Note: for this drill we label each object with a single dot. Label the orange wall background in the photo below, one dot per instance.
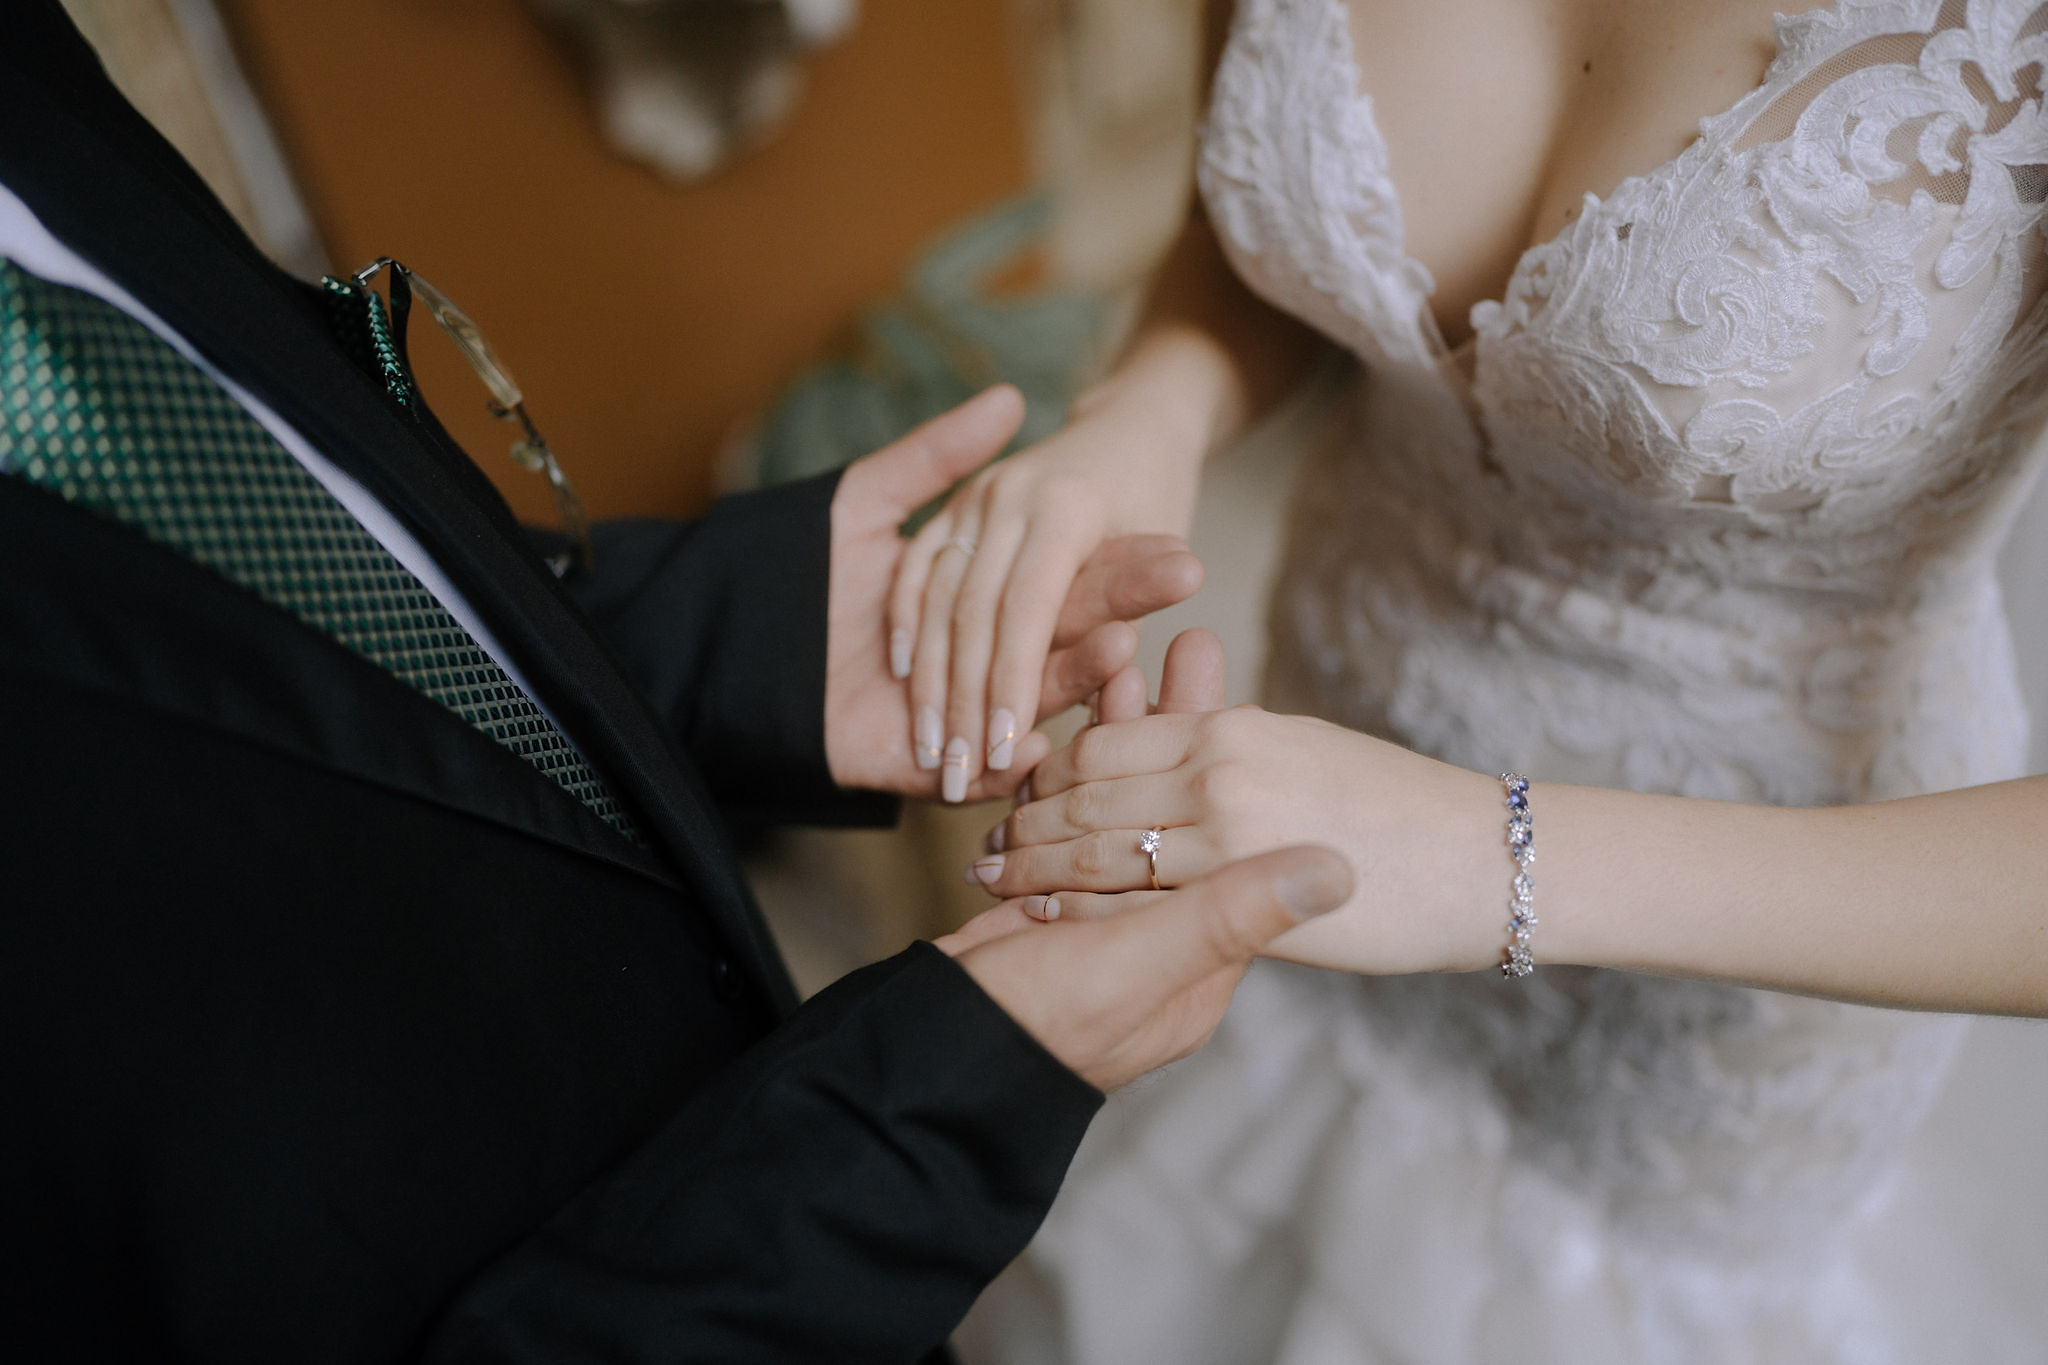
(643, 319)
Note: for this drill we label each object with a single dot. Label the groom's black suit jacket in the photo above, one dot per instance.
(332, 1031)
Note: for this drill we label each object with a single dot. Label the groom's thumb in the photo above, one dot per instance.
(1226, 918)
(912, 470)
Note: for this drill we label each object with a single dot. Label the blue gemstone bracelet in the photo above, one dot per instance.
(1519, 960)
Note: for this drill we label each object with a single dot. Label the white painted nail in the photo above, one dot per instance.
(953, 784)
(928, 738)
(1052, 907)
(899, 652)
(969, 877)
(986, 870)
(1002, 738)
(1034, 906)
(998, 839)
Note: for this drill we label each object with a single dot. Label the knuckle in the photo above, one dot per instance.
(1222, 936)
(1212, 784)
(1088, 752)
(1062, 488)
(1091, 855)
(1080, 807)
(1007, 494)
(1233, 733)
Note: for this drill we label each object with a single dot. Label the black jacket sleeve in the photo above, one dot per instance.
(840, 1194)
(721, 623)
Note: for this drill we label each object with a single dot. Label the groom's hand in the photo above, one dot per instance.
(1190, 681)
(1114, 998)
(867, 710)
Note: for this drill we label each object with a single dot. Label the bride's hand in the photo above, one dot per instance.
(1425, 839)
(867, 713)
(977, 597)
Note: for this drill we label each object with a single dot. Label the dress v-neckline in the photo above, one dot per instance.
(1362, 101)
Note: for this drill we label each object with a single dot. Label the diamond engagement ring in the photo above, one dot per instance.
(1148, 844)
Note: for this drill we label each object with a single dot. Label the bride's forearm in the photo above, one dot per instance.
(1934, 903)
(1172, 399)
(1207, 359)
(1928, 903)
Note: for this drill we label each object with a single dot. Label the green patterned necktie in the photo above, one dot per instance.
(98, 409)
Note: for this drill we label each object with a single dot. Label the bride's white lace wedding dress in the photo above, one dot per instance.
(1707, 505)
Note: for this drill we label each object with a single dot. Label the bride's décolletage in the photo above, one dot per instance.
(1706, 505)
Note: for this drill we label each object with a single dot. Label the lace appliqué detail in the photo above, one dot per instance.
(1707, 505)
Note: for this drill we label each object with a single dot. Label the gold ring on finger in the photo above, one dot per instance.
(966, 545)
(1148, 844)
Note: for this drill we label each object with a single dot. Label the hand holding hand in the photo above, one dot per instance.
(977, 600)
(1424, 838)
(1117, 997)
(867, 714)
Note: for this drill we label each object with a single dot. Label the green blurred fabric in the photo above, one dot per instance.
(939, 341)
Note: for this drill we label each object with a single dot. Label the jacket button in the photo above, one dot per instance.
(726, 981)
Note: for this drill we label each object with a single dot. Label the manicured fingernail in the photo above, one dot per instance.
(996, 840)
(987, 870)
(928, 738)
(1034, 906)
(1024, 793)
(1002, 737)
(1052, 907)
(953, 786)
(899, 652)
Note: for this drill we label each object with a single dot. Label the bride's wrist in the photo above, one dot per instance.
(1174, 392)
(1476, 870)
(1427, 841)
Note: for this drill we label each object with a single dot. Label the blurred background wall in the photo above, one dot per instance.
(645, 318)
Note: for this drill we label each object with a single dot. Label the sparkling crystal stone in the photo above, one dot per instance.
(1516, 800)
(1148, 842)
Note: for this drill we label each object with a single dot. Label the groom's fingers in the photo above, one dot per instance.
(1115, 998)
(998, 785)
(1126, 578)
(1079, 907)
(998, 921)
(1192, 678)
(1122, 698)
(915, 468)
(1074, 673)
(1224, 920)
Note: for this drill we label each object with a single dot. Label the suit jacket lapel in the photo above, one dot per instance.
(102, 179)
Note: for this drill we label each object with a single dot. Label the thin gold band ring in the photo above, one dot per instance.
(1148, 844)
